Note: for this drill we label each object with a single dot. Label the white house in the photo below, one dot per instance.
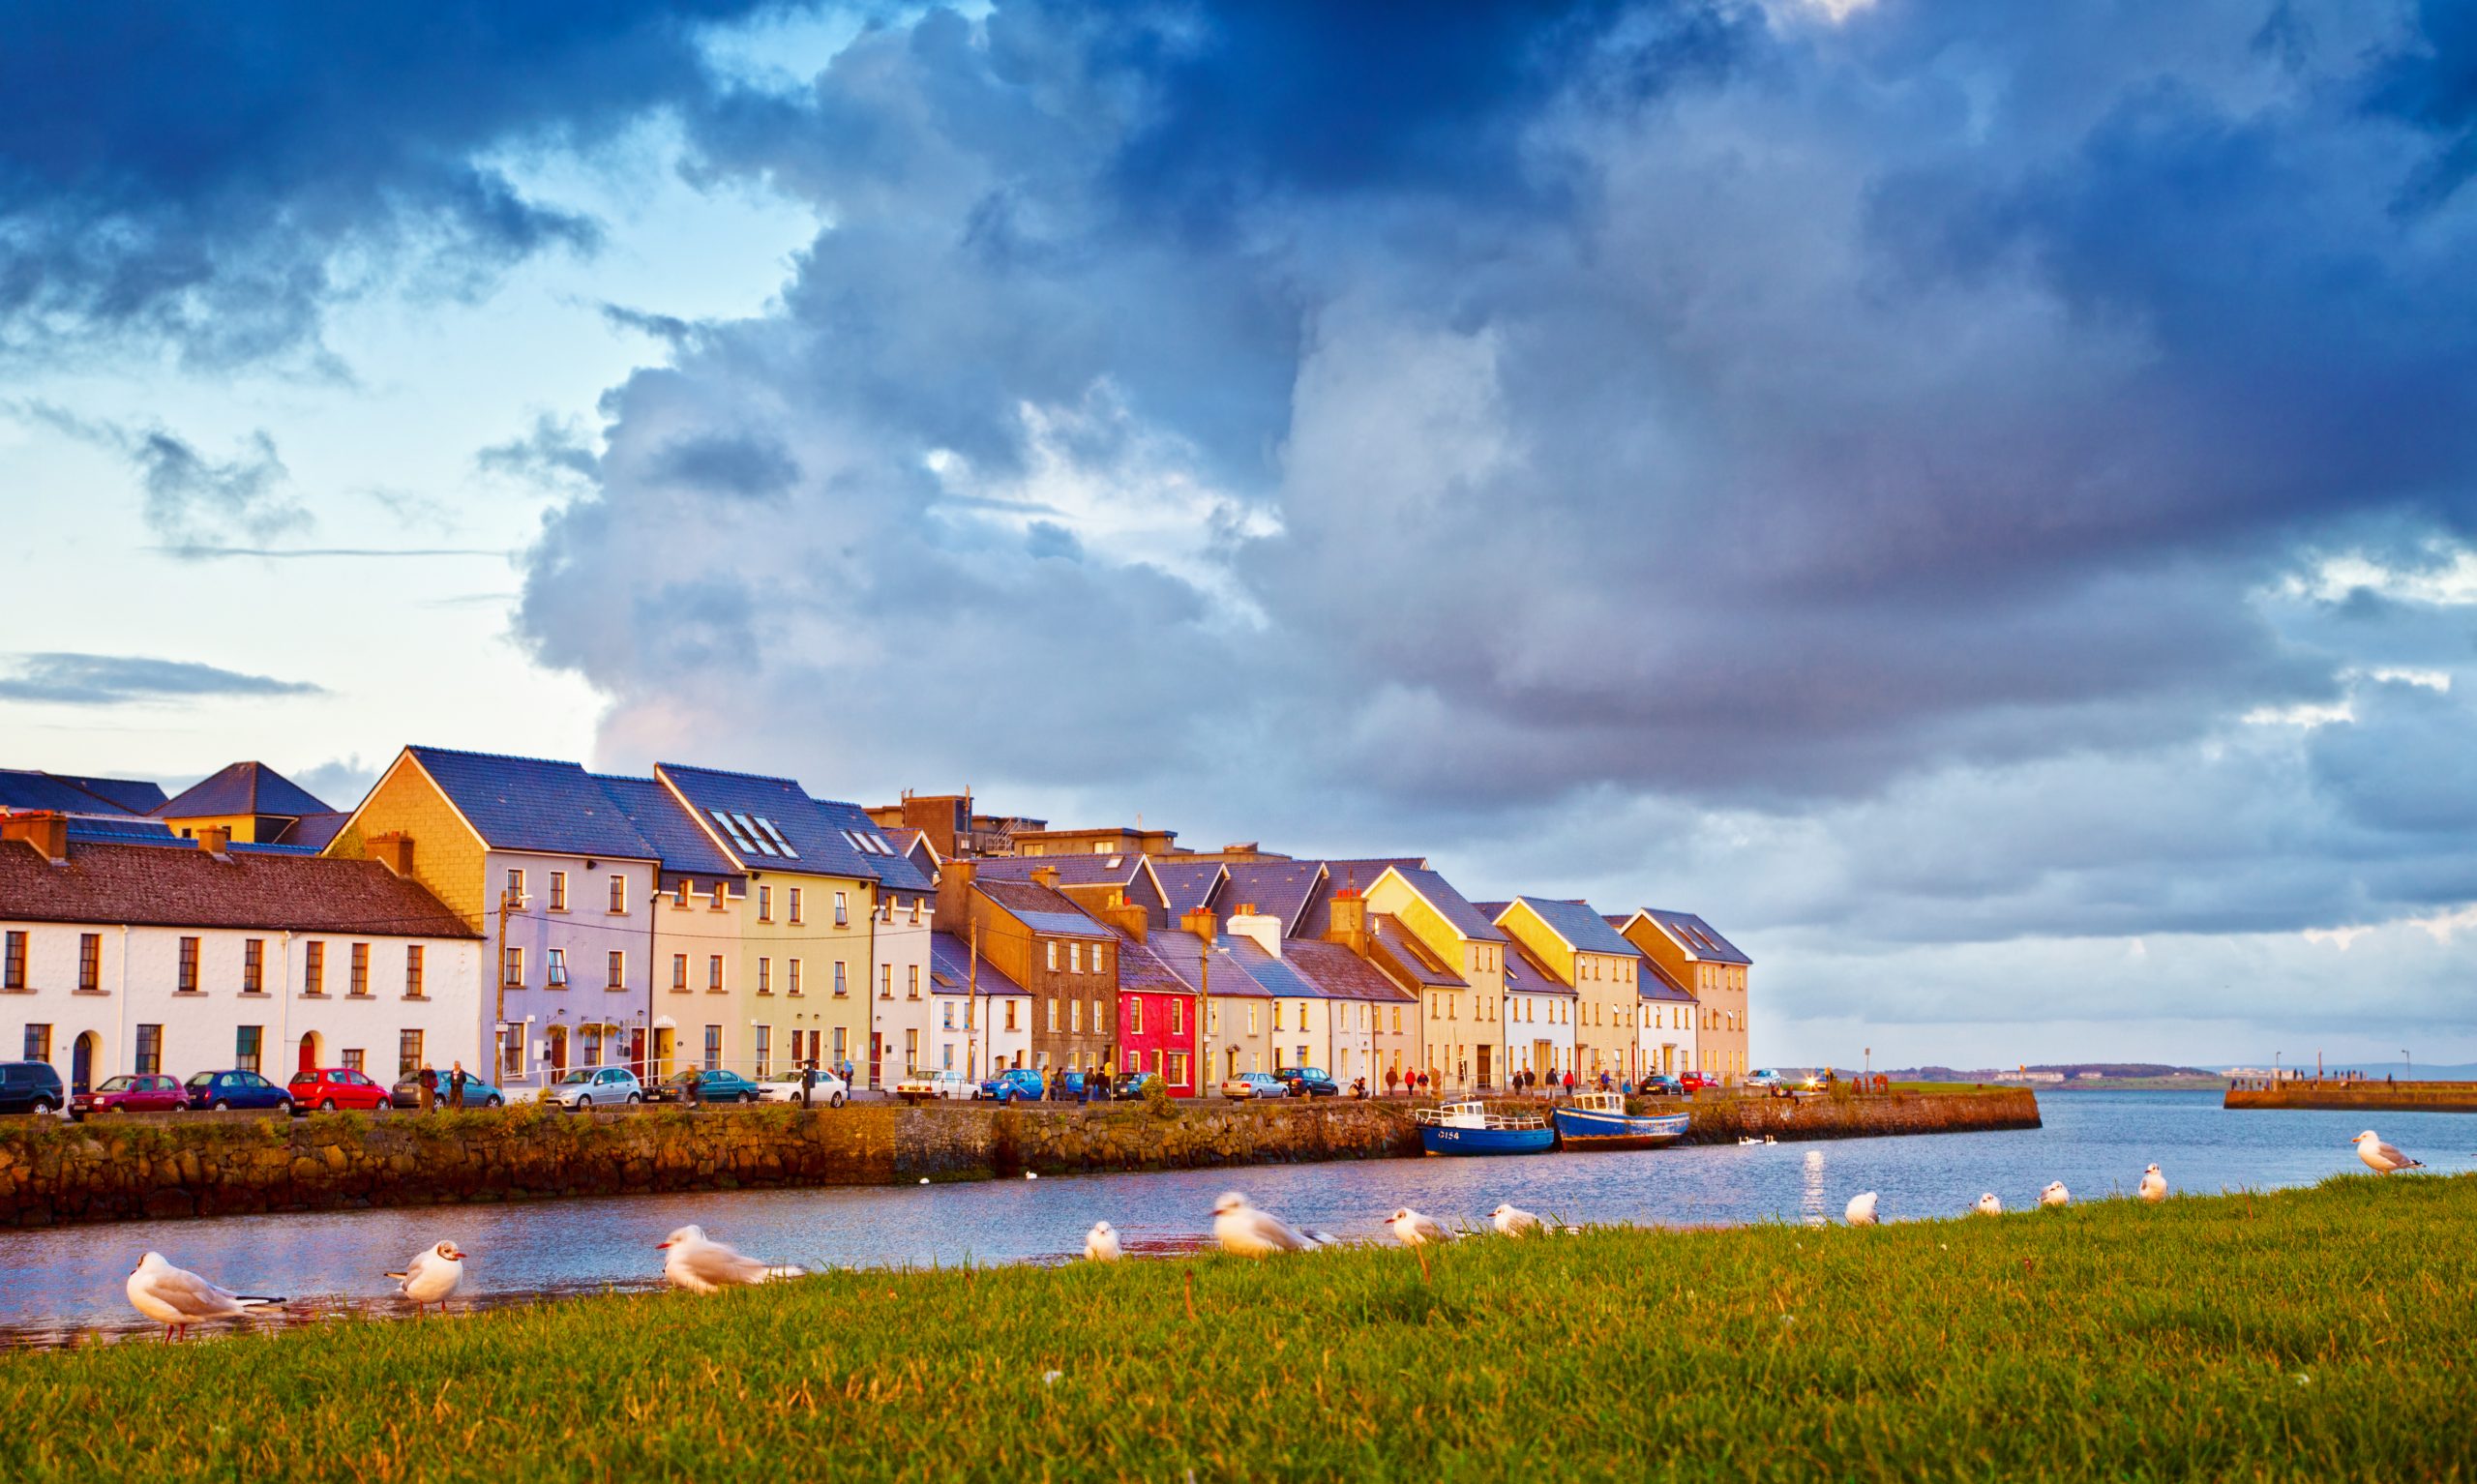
(982, 1019)
(185, 956)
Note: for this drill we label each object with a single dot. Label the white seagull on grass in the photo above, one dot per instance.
(2154, 1185)
(2055, 1194)
(176, 1298)
(1411, 1229)
(431, 1276)
(702, 1265)
(1513, 1221)
(1860, 1210)
(1990, 1205)
(2382, 1158)
(1101, 1243)
(1241, 1228)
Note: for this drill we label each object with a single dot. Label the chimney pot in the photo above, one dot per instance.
(215, 839)
(394, 850)
(1045, 876)
(1200, 922)
(42, 829)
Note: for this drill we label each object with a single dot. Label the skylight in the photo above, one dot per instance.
(776, 835)
(739, 840)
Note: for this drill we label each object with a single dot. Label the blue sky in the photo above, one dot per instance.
(1976, 498)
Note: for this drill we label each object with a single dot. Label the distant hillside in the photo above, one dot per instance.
(2069, 1071)
(2122, 1069)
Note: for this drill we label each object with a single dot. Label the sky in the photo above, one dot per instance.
(1979, 499)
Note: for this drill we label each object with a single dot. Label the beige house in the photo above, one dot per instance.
(1462, 1024)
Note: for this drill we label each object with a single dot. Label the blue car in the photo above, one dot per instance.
(236, 1090)
(1014, 1084)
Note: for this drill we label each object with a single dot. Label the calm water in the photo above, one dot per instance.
(59, 1281)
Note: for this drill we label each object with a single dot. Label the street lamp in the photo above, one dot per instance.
(2407, 1067)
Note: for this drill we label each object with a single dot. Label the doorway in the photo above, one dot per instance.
(309, 1052)
(1483, 1049)
(664, 1049)
(876, 1051)
(81, 1063)
(555, 1051)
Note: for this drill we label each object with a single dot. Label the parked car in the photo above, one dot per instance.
(1307, 1082)
(407, 1091)
(328, 1088)
(1013, 1086)
(31, 1086)
(1696, 1081)
(1130, 1084)
(236, 1091)
(595, 1087)
(939, 1083)
(131, 1092)
(1659, 1084)
(1254, 1084)
(719, 1086)
(1763, 1079)
(784, 1087)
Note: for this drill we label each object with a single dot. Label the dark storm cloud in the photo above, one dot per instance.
(108, 680)
(751, 466)
(201, 175)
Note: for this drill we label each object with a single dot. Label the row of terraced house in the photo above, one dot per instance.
(531, 916)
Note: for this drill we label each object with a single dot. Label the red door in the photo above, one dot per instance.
(876, 1050)
(308, 1053)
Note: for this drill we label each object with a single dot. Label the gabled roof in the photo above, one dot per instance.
(1527, 975)
(1183, 952)
(533, 804)
(1584, 930)
(1339, 972)
(1358, 875)
(1653, 981)
(312, 832)
(182, 886)
(1126, 870)
(1188, 884)
(107, 830)
(1142, 971)
(1400, 950)
(1279, 889)
(951, 968)
(894, 870)
(1042, 909)
(137, 795)
(659, 816)
(242, 788)
(1693, 934)
(766, 823)
(1279, 977)
(26, 788)
(1450, 904)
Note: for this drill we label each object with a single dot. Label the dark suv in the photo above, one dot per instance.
(31, 1086)
(1307, 1082)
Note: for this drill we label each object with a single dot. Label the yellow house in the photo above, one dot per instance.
(258, 804)
(1711, 969)
(1592, 959)
(1462, 1025)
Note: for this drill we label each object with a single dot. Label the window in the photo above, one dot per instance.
(619, 894)
(842, 912)
(361, 969)
(947, 1057)
(249, 1045)
(90, 964)
(949, 1008)
(911, 1050)
(714, 973)
(713, 1048)
(1053, 1016)
(886, 981)
(1276, 1014)
(1010, 1015)
(408, 1053)
(1251, 1020)
(516, 889)
(1211, 1019)
(559, 891)
(765, 903)
(914, 971)
(764, 976)
(1096, 958)
(353, 1058)
(1075, 1017)
(512, 968)
(554, 969)
(1178, 1017)
(14, 976)
(189, 967)
(841, 978)
(679, 972)
(722, 895)
(680, 896)
(1075, 957)
(792, 970)
(618, 968)
(313, 967)
(412, 971)
(764, 1050)
(38, 1043)
(840, 1046)
(150, 1049)
(1135, 1017)
(1053, 956)
(1177, 1076)
(1100, 1024)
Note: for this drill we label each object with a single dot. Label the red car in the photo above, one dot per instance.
(131, 1093)
(1696, 1081)
(328, 1088)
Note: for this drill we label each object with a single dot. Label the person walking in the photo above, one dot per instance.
(689, 1087)
(1392, 1081)
(429, 1088)
(456, 1087)
(1570, 1084)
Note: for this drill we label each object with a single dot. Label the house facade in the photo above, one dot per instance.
(1463, 1029)
(1597, 962)
(1711, 968)
(1062, 957)
(984, 1021)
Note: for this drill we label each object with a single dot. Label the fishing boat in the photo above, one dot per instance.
(1469, 1128)
(1598, 1120)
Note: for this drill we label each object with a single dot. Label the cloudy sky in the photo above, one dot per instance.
(1980, 499)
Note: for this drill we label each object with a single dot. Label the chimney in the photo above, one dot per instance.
(45, 831)
(1200, 921)
(954, 892)
(1128, 917)
(1349, 925)
(216, 839)
(1045, 876)
(1264, 930)
(393, 850)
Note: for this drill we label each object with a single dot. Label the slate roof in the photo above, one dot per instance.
(1043, 909)
(185, 887)
(1527, 975)
(26, 789)
(242, 788)
(1120, 869)
(1464, 918)
(730, 805)
(1141, 971)
(951, 968)
(1578, 923)
(1399, 948)
(1277, 888)
(314, 832)
(1188, 884)
(1183, 952)
(894, 870)
(534, 804)
(129, 831)
(137, 795)
(1358, 874)
(1696, 937)
(665, 822)
(1653, 981)
(1341, 973)
(1277, 975)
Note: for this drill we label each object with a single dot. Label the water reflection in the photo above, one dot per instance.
(70, 1278)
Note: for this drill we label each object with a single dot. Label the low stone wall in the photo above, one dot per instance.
(1726, 1120)
(2370, 1096)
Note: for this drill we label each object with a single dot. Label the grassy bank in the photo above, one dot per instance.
(2309, 1333)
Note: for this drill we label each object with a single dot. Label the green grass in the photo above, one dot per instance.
(2318, 1333)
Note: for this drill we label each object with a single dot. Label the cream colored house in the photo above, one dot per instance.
(1462, 1030)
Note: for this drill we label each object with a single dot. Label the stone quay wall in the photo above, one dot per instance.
(2354, 1094)
(125, 1169)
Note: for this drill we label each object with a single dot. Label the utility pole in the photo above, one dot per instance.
(971, 1007)
(498, 972)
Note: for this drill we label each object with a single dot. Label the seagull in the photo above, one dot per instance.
(176, 1298)
(2154, 1185)
(1746, 1139)
(1511, 1221)
(705, 1266)
(1032, 1174)
(1239, 1227)
(1861, 1211)
(2382, 1158)
(2055, 1194)
(1988, 1205)
(1769, 1139)
(1101, 1243)
(1413, 1228)
(431, 1276)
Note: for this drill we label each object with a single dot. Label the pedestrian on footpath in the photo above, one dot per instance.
(429, 1088)
(456, 1087)
(689, 1087)
(1392, 1081)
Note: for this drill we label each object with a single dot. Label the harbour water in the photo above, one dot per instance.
(59, 1282)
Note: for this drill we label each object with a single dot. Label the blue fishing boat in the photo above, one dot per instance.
(1469, 1128)
(1598, 1120)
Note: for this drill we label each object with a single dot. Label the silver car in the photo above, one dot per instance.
(595, 1087)
(784, 1087)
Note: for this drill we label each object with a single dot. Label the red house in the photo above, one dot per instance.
(1156, 1010)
